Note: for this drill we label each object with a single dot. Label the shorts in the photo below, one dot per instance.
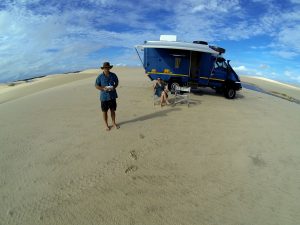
(159, 94)
(111, 104)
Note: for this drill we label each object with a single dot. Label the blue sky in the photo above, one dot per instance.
(40, 37)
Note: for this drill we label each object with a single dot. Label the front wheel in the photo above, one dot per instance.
(230, 93)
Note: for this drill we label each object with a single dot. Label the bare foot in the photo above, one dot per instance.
(116, 126)
(107, 128)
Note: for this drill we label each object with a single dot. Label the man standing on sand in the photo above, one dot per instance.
(107, 82)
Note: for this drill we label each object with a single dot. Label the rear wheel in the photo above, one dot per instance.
(172, 85)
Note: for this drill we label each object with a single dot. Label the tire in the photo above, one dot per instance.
(172, 84)
(230, 93)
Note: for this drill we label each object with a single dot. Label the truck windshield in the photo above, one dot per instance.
(222, 65)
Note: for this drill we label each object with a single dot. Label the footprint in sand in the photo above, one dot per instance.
(131, 168)
(133, 154)
(142, 136)
(258, 161)
(10, 212)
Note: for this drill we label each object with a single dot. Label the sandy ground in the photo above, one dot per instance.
(220, 161)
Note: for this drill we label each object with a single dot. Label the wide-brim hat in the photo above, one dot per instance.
(106, 65)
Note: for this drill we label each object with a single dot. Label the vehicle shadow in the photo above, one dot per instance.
(209, 91)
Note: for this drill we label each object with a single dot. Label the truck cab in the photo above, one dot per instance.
(224, 79)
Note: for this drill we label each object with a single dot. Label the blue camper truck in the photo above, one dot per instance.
(194, 64)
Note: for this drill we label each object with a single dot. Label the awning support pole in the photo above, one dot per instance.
(140, 58)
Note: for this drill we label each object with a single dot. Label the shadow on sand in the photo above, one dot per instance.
(151, 116)
(254, 87)
(209, 91)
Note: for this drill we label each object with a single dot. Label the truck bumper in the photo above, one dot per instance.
(237, 85)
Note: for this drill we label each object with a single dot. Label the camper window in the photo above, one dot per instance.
(177, 62)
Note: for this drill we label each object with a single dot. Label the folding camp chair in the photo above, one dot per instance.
(182, 95)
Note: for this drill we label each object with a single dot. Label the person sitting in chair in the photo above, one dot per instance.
(161, 90)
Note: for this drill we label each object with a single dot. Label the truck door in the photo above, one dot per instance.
(195, 69)
(195, 65)
(220, 72)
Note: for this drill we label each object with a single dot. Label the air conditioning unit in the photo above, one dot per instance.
(168, 38)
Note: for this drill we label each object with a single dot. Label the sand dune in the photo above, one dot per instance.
(286, 91)
(217, 162)
(277, 82)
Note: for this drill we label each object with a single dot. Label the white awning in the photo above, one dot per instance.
(178, 45)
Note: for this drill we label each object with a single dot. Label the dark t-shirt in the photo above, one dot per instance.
(110, 80)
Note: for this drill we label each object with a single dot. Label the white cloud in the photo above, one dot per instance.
(48, 38)
(252, 70)
(259, 47)
(240, 68)
(216, 6)
(101, 2)
(291, 16)
(26, 1)
(295, 1)
(287, 73)
(121, 64)
(264, 66)
(292, 75)
(33, 44)
(290, 37)
(285, 54)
